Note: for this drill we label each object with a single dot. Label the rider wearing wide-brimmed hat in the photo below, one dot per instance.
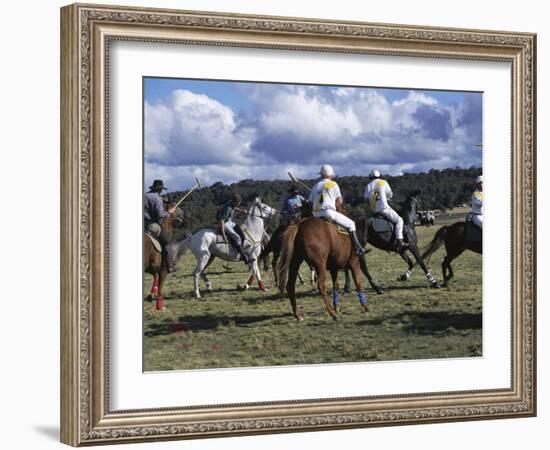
(292, 205)
(327, 199)
(154, 213)
(377, 194)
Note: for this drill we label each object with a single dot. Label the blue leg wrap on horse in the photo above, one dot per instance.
(362, 298)
(335, 297)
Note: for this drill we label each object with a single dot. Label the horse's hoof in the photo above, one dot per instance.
(378, 290)
(436, 285)
(197, 295)
(299, 318)
(335, 318)
(149, 298)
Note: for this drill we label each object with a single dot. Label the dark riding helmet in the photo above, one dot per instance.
(236, 198)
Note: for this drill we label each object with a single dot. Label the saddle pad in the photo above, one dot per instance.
(156, 243)
(339, 228)
(381, 225)
(472, 233)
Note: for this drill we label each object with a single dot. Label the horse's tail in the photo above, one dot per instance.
(435, 244)
(286, 256)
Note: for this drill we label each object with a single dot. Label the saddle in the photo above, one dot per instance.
(154, 241)
(472, 233)
(381, 224)
(339, 228)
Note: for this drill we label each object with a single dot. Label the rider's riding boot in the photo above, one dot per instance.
(356, 244)
(401, 245)
(170, 261)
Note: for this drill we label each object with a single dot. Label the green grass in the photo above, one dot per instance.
(231, 328)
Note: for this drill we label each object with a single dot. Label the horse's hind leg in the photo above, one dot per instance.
(347, 283)
(274, 262)
(335, 293)
(291, 287)
(162, 276)
(446, 266)
(322, 272)
(433, 282)
(204, 276)
(356, 274)
(452, 253)
(202, 261)
(407, 274)
(365, 270)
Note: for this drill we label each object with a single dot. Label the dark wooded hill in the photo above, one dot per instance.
(440, 189)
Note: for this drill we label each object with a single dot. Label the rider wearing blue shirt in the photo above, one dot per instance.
(226, 225)
(292, 206)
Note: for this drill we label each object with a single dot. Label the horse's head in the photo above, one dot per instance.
(267, 211)
(177, 218)
(413, 199)
(258, 209)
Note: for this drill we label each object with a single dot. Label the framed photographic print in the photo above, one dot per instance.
(275, 224)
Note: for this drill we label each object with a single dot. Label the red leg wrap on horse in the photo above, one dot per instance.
(160, 303)
(250, 280)
(261, 285)
(155, 289)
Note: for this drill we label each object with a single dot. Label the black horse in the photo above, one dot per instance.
(383, 237)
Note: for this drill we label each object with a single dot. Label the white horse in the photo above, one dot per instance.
(207, 243)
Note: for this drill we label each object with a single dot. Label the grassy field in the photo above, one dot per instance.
(230, 328)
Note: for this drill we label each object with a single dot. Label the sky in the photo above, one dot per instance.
(229, 131)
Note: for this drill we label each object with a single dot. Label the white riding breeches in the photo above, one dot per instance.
(396, 219)
(336, 217)
(477, 219)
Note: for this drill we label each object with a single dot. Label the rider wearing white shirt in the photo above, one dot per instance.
(327, 199)
(477, 203)
(377, 194)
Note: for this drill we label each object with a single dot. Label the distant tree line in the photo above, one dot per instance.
(439, 189)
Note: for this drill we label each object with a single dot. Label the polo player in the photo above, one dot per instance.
(292, 206)
(154, 213)
(477, 203)
(377, 194)
(226, 225)
(327, 200)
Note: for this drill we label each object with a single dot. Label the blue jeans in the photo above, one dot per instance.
(231, 234)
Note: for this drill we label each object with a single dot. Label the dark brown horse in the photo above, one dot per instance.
(154, 263)
(324, 248)
(457, 237)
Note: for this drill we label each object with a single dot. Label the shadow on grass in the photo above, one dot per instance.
(430, 323)
(206, 322)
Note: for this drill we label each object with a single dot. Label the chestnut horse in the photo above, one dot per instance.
(154, 263)
(323, 247)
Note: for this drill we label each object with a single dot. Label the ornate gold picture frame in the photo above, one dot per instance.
(87, 32)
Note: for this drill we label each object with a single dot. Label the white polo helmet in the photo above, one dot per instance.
(374, 173)
(479, 179)
(326, 171)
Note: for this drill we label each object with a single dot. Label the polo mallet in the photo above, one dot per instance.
(197, 185)
(297, 181)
